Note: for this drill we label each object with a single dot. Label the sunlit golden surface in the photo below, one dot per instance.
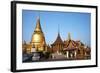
(38, 39)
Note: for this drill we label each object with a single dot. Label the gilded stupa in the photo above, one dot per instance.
(38, 39)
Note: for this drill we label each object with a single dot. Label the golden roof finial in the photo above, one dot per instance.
(69, 36)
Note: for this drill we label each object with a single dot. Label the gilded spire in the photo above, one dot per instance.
(69, 37)
(38, 26)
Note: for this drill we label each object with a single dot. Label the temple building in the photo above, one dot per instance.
(58, 45)
(70, 48)
(75, 49)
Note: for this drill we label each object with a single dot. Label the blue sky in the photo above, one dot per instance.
(75, 23)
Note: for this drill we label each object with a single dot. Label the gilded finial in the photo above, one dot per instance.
(69, 36)
(38, 26)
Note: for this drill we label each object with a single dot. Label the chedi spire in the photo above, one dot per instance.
(38, 26)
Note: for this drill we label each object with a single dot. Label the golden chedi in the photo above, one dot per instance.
(38, 39)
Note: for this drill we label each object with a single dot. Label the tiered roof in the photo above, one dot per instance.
(58, 40)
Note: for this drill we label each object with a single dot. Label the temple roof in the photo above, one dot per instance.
(58, 40)
(70, 45)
